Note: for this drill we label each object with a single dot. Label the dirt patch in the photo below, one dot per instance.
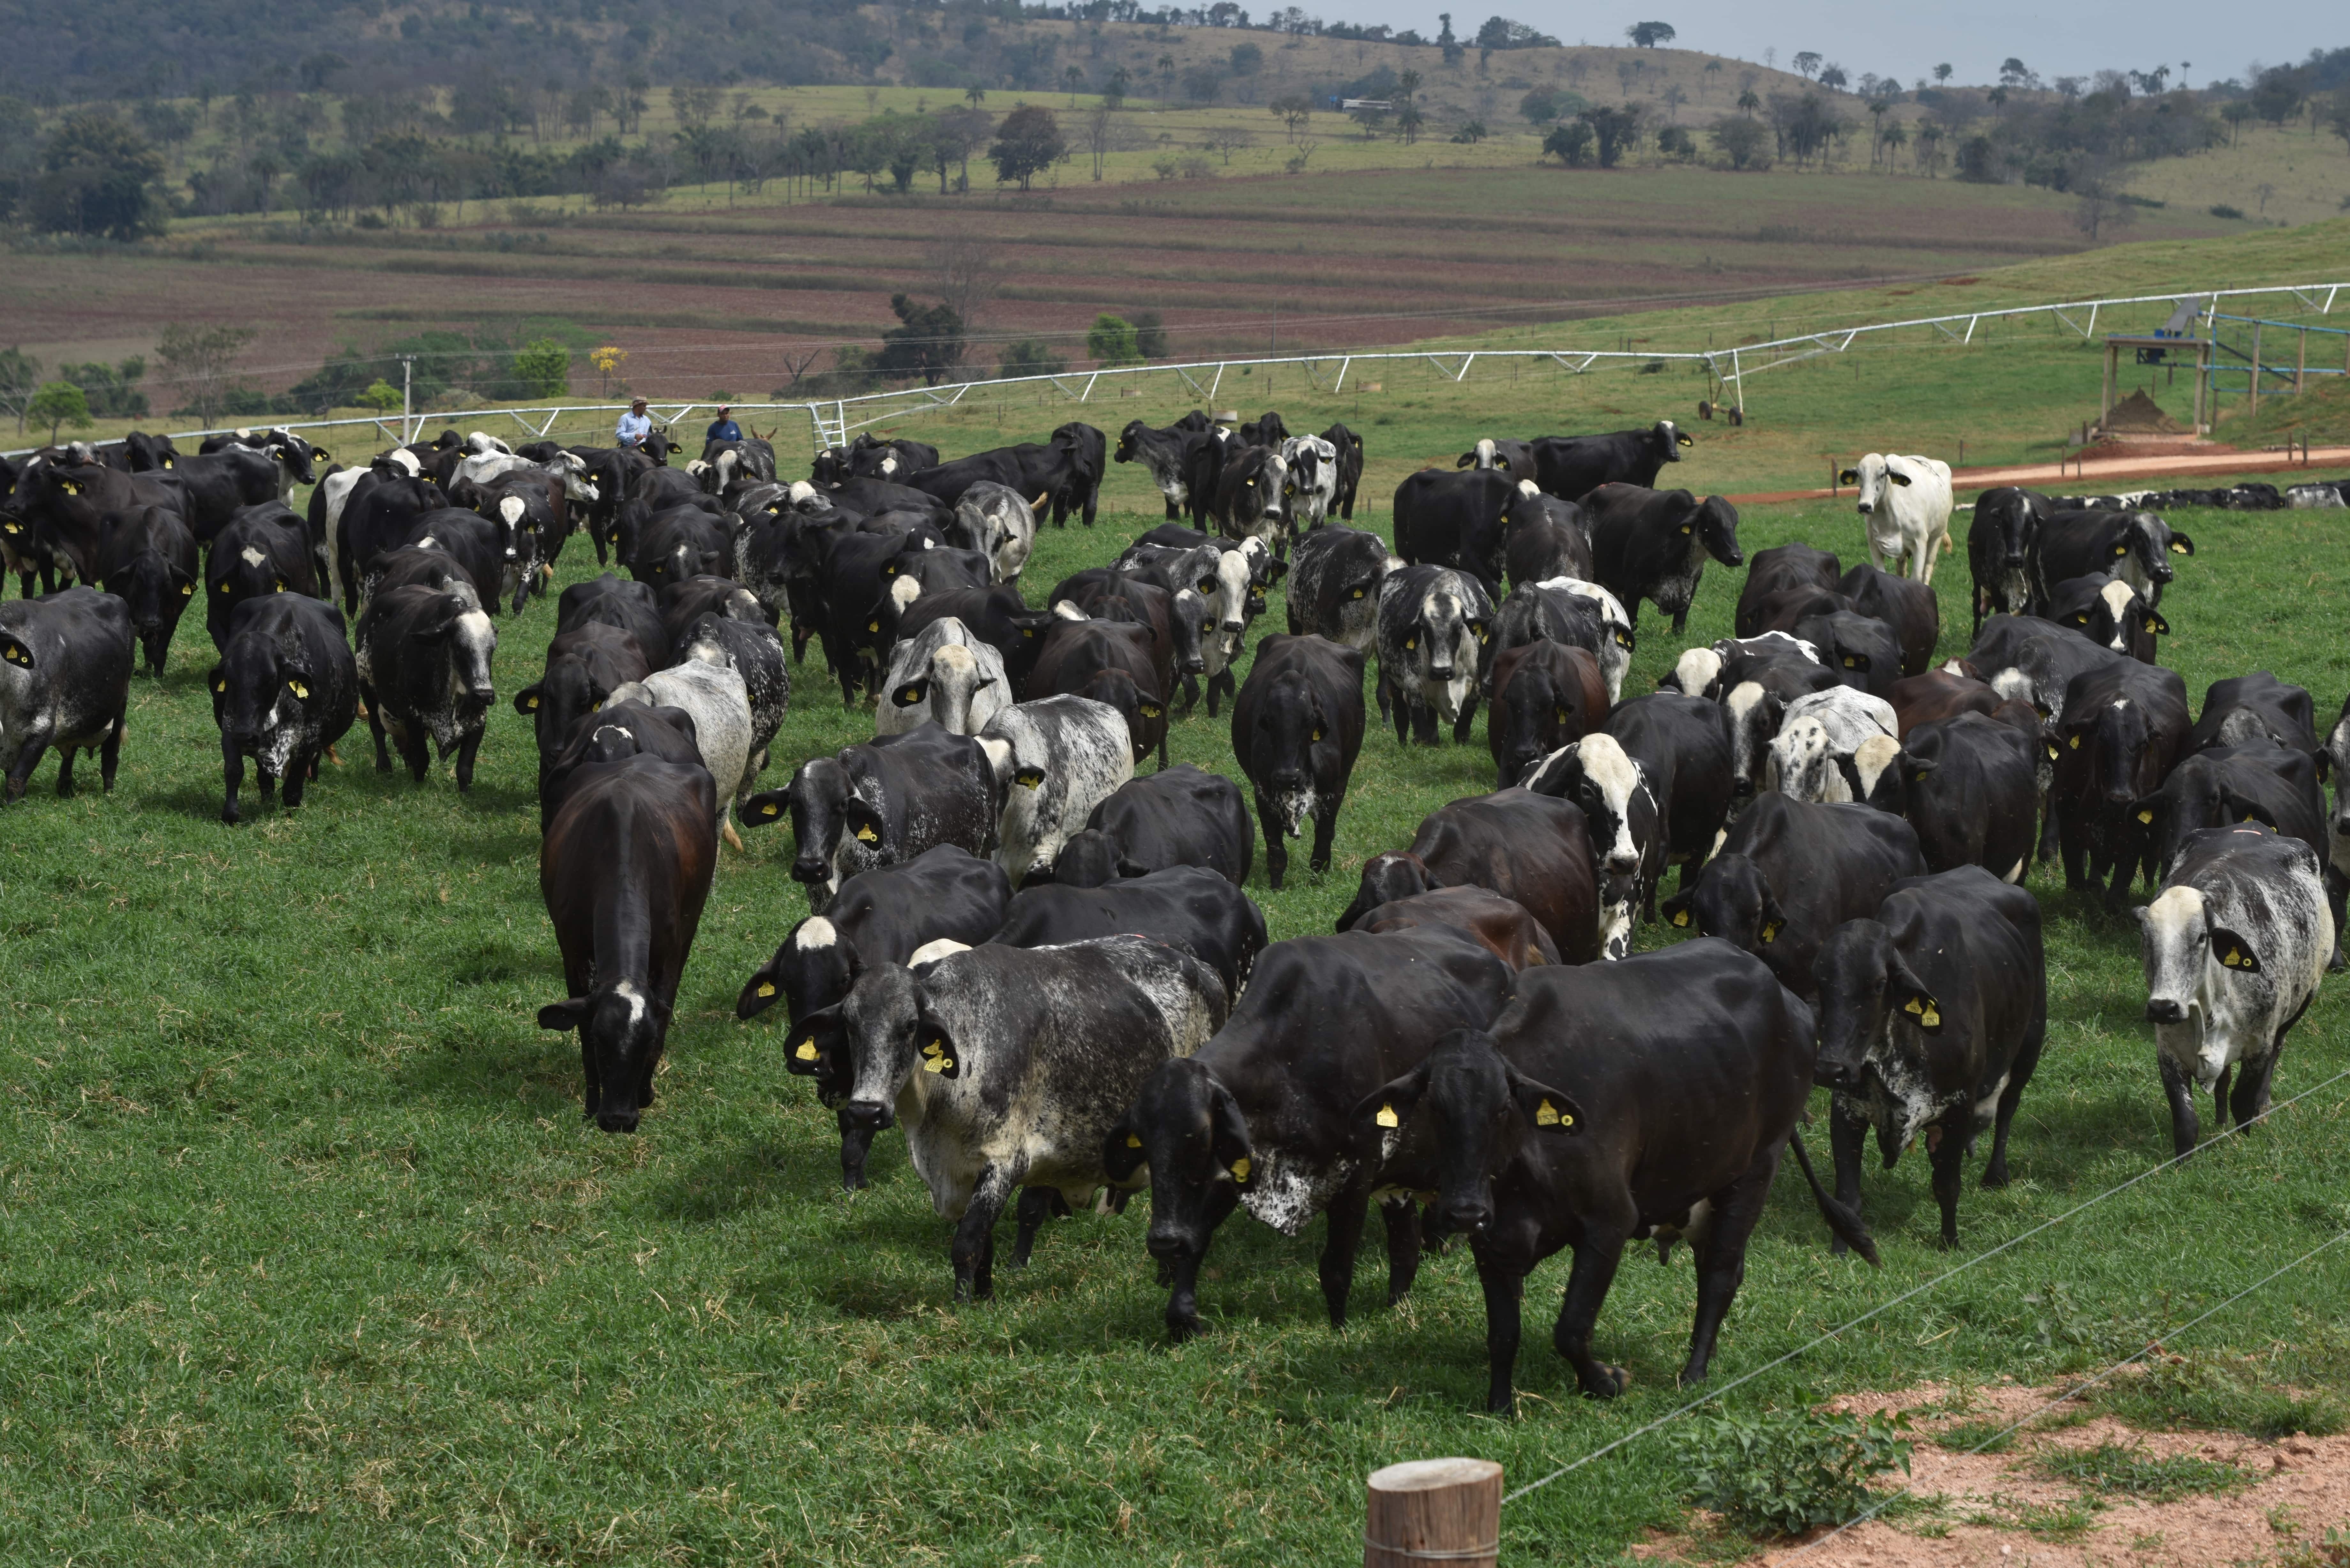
(2073, 1490)
(2137, 414)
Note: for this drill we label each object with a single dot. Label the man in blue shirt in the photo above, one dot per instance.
(635, 425)
(722, 428)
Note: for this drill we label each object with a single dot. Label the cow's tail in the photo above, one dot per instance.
(1845, 1223)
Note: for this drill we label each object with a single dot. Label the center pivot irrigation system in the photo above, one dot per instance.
(833, 421)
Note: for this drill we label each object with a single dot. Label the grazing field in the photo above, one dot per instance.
(305, 1255)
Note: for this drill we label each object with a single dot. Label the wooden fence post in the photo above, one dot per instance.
(1433, 1511)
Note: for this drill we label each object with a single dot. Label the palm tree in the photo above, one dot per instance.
(1076, 78)
(1749, 103)
(1167, 74)
(974, 95)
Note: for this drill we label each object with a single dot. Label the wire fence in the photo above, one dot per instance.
(832, 421)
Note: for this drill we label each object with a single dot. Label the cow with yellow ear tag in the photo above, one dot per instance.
(1932, 1015)
(286, 689)
(1549, 1133)
(149, 561)
(65, 682)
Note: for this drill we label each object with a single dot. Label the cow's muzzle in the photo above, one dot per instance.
(2162, 1009)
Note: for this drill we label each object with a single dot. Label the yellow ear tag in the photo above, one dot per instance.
(1913, 1006)
(936, 1064)
(1685, 528)
(1547, 1116)
(1680, 917)
(1132, 1141)
(1151, 710)
(1241, 1168)
(1388, 1118)
(217, 685)
(2177, 548)
(1318, 735)
(867, 836)
(223, 588)
(1850, 662)
(2151, 629)
(1771, 931)
(1931, 1018)
(2052, 751)
(910, 696)
(1028, 778)
(766, 988)
(2121, 549)
(2146, 815)
(186, 589)
(1356, 594)
(532, 703)
(769, 809)
(296, 688)
(2074, 743)
(2235, 959)
(806, 1052)
(1410, 642)
(873, 625)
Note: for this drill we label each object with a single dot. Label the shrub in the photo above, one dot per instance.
(1787, 1471)
(1570, 140)
(1746, 143)
(2224, 211)
(1111, 340)
(1029, 357)
(544, 367)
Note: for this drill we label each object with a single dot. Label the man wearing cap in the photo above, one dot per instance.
(722, 428)
(635, 425)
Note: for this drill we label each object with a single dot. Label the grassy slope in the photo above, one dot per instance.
(306, 1255)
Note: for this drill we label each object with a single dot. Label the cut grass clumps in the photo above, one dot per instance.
(2222, 1393)
(1782, 1472)
(2133, 1471)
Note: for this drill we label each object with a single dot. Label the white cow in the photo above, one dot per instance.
(719, 701)
(1905, 508)
(1054, 759)
(2234, 946)
(998, 521)
(1819, 732)
(1313, 480)
(942, 673)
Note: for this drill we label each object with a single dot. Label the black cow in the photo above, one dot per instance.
(2135, 546)
(584, 667)
(1350, 469)
(65, 682)
(1859, 650)
(612, 733)
(1188, 906)
(1653, 543)
(997, 617)
(376, 516)
(1777, 570)
(483, 547)
(1514, 458)
(685, 603)
(2022, 656)
(1789, 873)
(221, 484)
(1782, 609)
(1089, 450)
(1167, 454)
(1454, 519)
(1546, 538)
(1249, 501)
(2124, 729)
(286, 689)
(2248, 710)
(1909, 606)
(2001, 543)
(1334, 585)
(1545, 695)
(2227, 786)
(1684, 747)
(1528, 848)
(1076, 653)
(1297, 727)
(263, 550)
(882, 802)
(56, 527)
(679, 543)
(1177, 817)
(2109, 613)
(1548, 1134)
(619, 602)
(1572, 467)
(149, 561)
(1970, 785)
(1940, 694)
(625, 870)
(1932, 1017)
(1259, 1116)
(1037, 470)
(425, 672)
(884, 915)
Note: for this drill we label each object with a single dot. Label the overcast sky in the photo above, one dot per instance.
(1899, 41)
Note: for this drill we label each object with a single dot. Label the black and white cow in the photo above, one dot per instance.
(1250, 500)
(612, 733)
(882, 802)
(1572, 467)
(1008, 1067)
(620, 603)
(1653, 543)
(1546, 538)
(2125, 728)
(1433, 622)
(2109, 613)
(1188, 906)
(1790, 872)
(718, 700)
(683, 604)
(752, 650)
(287, 688)
(1165, 454)
(1454, 519)
(2255, 710)
(1334, 585)
(376, 516)
(1931, 1018)
(149, 561)
(1821, 732)
(1568, 611)
(263, 550)
(2135, 546)
(424, 673)
(1713, 671)
(1531, 1141)
(1514, 458)
(2234, 946)
(2001, 543)
(1177, 817)
(1259, 1118)
(884, 915)
(65, 682)
(1297, 727)
(1054, 759)
(625, 870)
(1312, 482)
(2033, 660)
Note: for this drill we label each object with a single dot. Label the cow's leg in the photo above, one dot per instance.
(1464, 729)
(1190, 695)
(2337, 886)
(1347, 1213)
(1326, 827)
(1503, 1294)
(30, 745)
(1681, 620)
(110, 751)
(2074, 839)
(2128, 852)
(1423, 723)
(414, 750)
(2180, 1093)
(232, 779)
(467, 750)
(1948, 1158)
(1994, 1174)
(375, 725)
(64, 770)
(974, 1238)
(1597, 1257)
(1276, 852)
(298, 771)
(1037, 1204)
(1221, 684)
(1722, 1258)
(1400, 1216)
(2250, 1099)
(1847, 1140)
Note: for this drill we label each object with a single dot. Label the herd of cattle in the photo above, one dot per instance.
(1044, 967)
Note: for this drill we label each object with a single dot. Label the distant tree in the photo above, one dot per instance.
(1942, 73)
(198, 361)
(2069, 87)
(1226, 142)
(1027, 144)
(2278, 94)
(1112, 340)
(1805, 64)
(1247, 59)
(112, 389)
(1712, 70)
(929, 343)
(1570, 142)
(1296, 112)
(1029, 357)
(1674, 95)
(59, 403)
(1073, 78)
(1167, 76)
(965, 272)
(1114, 91)
(2337, 114)
(1617, 130)
(2236, 114)
(1541, 106)
(1748, 102)
(1746, 143)
(1649, 34)
(96, 177)
(1203, 83)
(316, 70)
(1453, 52)
(1675, 143)
(2014, 73)
(1502, 33)
(1832, 77)
(606, 359)
(1150, 334)
(544, 367)
(974, 95)
(20, 376)
(1471, 133)
(379, 395)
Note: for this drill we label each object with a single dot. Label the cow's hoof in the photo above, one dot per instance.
(1617, 1379)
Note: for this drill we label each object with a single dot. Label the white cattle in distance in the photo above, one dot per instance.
(1905, 509)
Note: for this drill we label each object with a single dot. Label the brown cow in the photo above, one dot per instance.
(1938, 694)
(1500, 924)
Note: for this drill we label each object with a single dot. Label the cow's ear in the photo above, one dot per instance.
(759, 993)
(911, 693)
(2155, 625)
(1898, 477)
(1227, 1133)
(935, 1042)
(1908, 995)
(16, 651)
(526, 701)
(817, 1044)
(215, 681)
(1770, 918)
(1681, 911)
(765, 807)
(1122, 1149)
(562, 1016)
(1127, 866)
(1848, 476)
(2243, 809)
(1466, 458)
(2180, 544)
(1856, 662)
(1917, 767)
(1546, 1110)
(2143, 809)
(1389, 1107)
(2234, 951)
